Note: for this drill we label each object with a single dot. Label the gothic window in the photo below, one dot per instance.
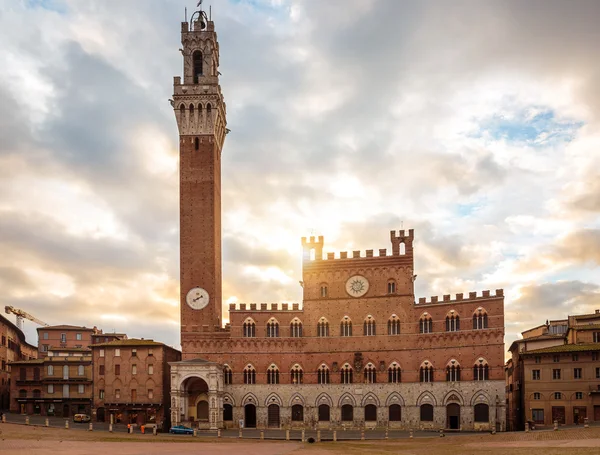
(297, 413)
(208, 111)
(370, 374)
(182, 116)
(426, 372)
(228, 375)
(369, 326)
(480, 319)
(453, 371)
(347, 413)
(346, 374)
(197, 61)
(425, 324)
(395, 413)
(394, 325)
(324, 290)
(227, 412)
(346, 327)
(482, 413)
(370, 413)
(391, 287)
(273, 375)
(297, 374)
(394, 373)
(249, 375)
(426, 413)
(481, 371)
(323, 375)
(324, 412)
(323, 328)
(402, 248)
(272, 328)
(191, 111)
(296, 328)
(249, 328)
(452, 322)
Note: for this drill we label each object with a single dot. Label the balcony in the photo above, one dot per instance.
(595, 389)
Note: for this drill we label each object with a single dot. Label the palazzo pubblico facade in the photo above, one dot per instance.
(359, 351)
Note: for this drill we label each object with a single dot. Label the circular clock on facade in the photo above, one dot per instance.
(357, 286)
(197, 298)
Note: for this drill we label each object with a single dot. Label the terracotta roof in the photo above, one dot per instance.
(587, 316)
(30, 362)
(565, 348)
(56, 348)
(66, 327)
(586, 327)
(130, 342)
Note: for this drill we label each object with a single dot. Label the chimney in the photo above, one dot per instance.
(597, 311)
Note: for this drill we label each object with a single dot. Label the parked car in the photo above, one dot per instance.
(181, 429)
(81, 418)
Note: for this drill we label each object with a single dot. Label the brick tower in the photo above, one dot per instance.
(201, 118)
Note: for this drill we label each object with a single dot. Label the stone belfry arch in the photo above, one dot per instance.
(201, 118)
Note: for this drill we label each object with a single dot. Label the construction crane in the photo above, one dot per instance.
(23, 315)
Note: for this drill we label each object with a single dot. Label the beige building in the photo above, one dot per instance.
(554, 373)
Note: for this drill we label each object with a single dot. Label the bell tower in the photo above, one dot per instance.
(201, 118)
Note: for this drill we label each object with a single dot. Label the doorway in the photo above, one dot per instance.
(579, 414)
(453, 416)
(273, 416)
(66, 410)
(250, 416)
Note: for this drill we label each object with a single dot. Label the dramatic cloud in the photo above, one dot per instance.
(476, 124)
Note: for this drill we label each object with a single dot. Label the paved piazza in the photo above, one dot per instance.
(21, 439)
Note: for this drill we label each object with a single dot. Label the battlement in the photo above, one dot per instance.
(264, 307)
(459, 297)
(402, 245)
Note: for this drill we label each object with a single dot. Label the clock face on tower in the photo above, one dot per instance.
(197, 298)
(357, 286)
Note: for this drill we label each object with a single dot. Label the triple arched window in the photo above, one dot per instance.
(425, 323)
(346, 374)
(394, 325)
(394, 373)
(296, 328)
(426, 372)
(297, 375)
(453, 371)
(249, 375)
(227, 375)
(249, 328)
(369, 327)
(346, 327)
(370, 374)
(323, 374)
(273, 374)
(480, 319)
(452, 322)
(481, 371)
(272, 328)
(323, 328)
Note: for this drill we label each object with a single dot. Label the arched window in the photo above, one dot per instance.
(191, 111)
(481, 370)
(297, 413)
(228, 375)
(324, 411)
(347, 413)
(452, 322)
(426, 372)
(391, 287)
(426, 413)
(249, 328)
(227, 412)
(369, 326)
(297, 375)
(323, 375)
(197, 62)
(402, 248)
(394, 325)
(324, 290)
(346, 327)
(273, 375)
(395, 413)
(370, 413)
(249, 375)
(208, 111)
(482, 413)
(346, 374)
(394, 373)
(272, 328)
(323, 328)
(453, 371)
(480, 319)
(196, 144)
(22, 393)
(370, 374)
(182, 111)
(296, 328)
(425, 324)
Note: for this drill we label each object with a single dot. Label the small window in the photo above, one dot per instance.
(597, 373)
(117, 370)
(150, 394)
(324, 291)
(196, 144)
(50, 388)
(150, 352)
(78, 337)
(391, 287)
(118, 394)
(101, 394)
(535, 375)
(45, 336)
(117, 352)
(577, 373)
(575, 357)
(596, 337)
(101, 370)
(556, 358)
(228, 375)
(579, 395)
(150, 369)
(63, 337)
(557, 395)
(537, 396)
(134, 353)
(50, 370)
(133, 369)
(80, 370)
(538, 359)
(197, 65)
(101, 353)
(81, 389)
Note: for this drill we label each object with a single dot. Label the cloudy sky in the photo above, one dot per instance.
(475, 123)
